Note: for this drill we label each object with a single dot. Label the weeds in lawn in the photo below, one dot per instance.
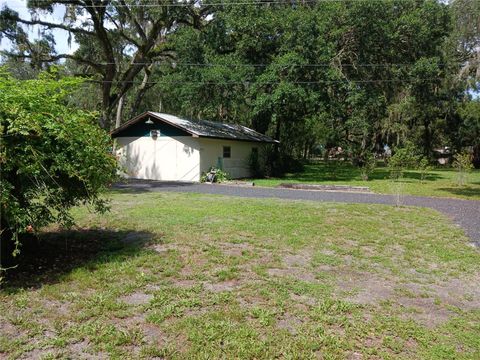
(218, 277)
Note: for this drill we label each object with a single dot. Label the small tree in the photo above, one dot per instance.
(404, 158)
(368, 166)
(463, 163)
(52, 158)
(424, 167)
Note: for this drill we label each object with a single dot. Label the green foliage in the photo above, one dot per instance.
(219, 175)
(350, 74)
(470, 128)
(257, 162)
(274, 69)
(424, 168)
(463, 163)
(368, 166)
(53, 157)
(405, 157)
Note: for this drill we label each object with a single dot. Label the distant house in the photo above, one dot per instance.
(165, 147)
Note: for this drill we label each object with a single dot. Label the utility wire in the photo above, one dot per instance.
(157, 63)
(197, 4)
(262, 83)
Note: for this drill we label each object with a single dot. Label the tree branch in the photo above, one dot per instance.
(53, 58)
(53, 25)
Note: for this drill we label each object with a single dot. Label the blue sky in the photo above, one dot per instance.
(61, 36)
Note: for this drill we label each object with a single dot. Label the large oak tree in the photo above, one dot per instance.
(118, 40)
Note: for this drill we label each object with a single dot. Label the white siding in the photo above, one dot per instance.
(236, 166)
(165, 158)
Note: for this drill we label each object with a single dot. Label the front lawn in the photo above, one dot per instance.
(439, 182)
(176, 276)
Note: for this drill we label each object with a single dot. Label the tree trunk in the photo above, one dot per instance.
(7, 247)
(118, 118)
(142, 90)
(427, 139)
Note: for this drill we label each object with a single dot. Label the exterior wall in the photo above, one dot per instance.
(174, 158)
(236, 166)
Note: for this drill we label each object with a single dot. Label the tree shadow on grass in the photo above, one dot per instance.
(44, 260)
(345, 172)
(463, 191)
(141, 185)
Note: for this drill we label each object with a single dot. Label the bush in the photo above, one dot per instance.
(406, 157)
(368, 166)
(424, 168)
(214, 175)
(53, 157)
(257, 161)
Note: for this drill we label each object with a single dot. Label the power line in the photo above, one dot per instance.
(280, 64)
(197, 4)
(246, 82)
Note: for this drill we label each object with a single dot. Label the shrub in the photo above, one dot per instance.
(404, 158)
(257, 162)
(215, 175)
(52, 157)
(424, 168)
(368, 166)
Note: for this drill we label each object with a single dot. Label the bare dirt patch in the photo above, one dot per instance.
(8, 330)
(163, 248)
(221, 286)
(152, 333)
(292, 272)
(290, 323)
(303, 299)
(80, 350)
(235, 249)
(298, 260)
(429, 303)
(369, 288)
(59, 307)
(137, 298)
(184, 283)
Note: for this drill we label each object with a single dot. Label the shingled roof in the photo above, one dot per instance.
(201, 128)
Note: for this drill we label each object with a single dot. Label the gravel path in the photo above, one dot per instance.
(465, 213)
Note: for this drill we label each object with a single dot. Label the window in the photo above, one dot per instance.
(226, 152)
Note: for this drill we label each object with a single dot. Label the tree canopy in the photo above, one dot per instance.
(355, 74)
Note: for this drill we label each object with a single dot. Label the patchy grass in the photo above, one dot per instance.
(439, 182)
(195, 276)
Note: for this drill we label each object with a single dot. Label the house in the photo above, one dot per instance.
(160, 146)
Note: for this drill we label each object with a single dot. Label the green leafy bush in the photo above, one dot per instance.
(424, 167)
(52, 157)
(406, 157)
(368, 166)
(218, 175)
(257, 162)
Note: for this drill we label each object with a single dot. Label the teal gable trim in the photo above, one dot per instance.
(140, 129)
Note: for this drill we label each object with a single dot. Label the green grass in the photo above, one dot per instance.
(194, 276)
(439, 182)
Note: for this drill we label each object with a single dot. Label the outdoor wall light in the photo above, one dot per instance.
(155, 134)
(149, 122)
